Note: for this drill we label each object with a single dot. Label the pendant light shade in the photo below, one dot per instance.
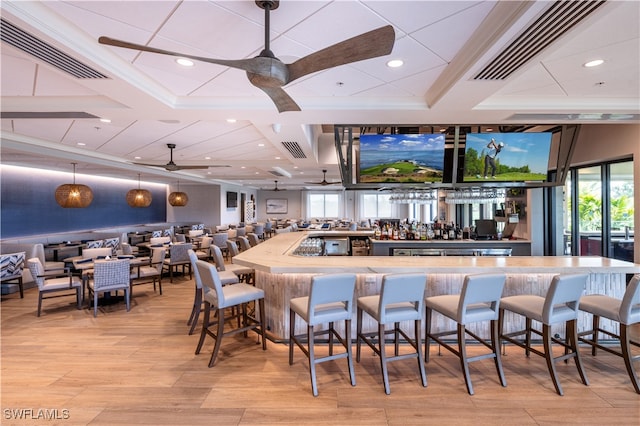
(178, 199)
(73, 195)
(139, 197)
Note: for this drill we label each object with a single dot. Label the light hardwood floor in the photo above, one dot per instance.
(139, 367)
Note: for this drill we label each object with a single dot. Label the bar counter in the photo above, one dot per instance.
(284, 276)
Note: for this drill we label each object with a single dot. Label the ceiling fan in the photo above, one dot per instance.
(276, 189)
(172, 167)
(324, 180)
(269, 73)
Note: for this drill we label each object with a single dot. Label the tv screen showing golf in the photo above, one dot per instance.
(402, 158)
(511, 157)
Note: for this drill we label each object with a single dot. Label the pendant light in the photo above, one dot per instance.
(139, 197)
(72, 195)
(178, 199)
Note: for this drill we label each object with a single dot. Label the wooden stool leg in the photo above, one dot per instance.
(427, 331)
(548, 355)
(216, 348)
(312, 360)
(594, 337)
(464, 364)
(572, 339)
(495, 343)
(417, 330)
(292, 327)
(383, 359)
(205, 326)
(352, 374)
(625, 346)
(358, 334)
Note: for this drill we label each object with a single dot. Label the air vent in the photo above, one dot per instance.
(294, 149)
(277, 171)
(37, 48)
(559, 18)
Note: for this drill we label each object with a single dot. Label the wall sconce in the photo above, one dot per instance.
(72, 195)
(139, 197)
(178, 199)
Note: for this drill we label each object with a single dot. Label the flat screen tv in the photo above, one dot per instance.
(510, 157)
(232, 199)
(405, 158)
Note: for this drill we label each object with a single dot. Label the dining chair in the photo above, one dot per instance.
(558, 307)
(220, 240)
(401, 298)
(178, 257)
(254, 240)
(11, 268)
(244, 243)
(49, 283)
(108, 276)
(203, 251)
(245, 273)
(226, 272)
(626, 312)
(197, 299)
(330, 300)
(218, 298)
(479, 300)
(151, 272)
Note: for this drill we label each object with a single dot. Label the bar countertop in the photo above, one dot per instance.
(275, 256)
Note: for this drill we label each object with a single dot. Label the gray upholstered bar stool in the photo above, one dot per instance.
(559, 306)
(478, 301)
(626, 312)
(220, 298)
(330, 300)
(401, 298)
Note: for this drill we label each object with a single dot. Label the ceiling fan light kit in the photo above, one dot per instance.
(270, 74)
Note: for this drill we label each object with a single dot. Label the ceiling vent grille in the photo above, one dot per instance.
(32, 45)
(559, 18)
(277, 171)
(294, 149)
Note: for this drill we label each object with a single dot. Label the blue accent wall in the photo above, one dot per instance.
(29, 206)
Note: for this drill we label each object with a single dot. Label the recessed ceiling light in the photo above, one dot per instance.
(105, 120)
(243, 167)
(277, 158)
(137, 158)
(395, 63)
(260, 144)
(593, 63)
(207, 158)
(81, 144)
(231, 120)
(184, 62)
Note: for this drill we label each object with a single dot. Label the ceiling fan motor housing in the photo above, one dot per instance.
(271, 73)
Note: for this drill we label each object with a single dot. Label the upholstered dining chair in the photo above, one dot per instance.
(197, 299)
(152, 272)
(330, 300)
(62, 285)
(258, 229)
(244, 243)
(108, 276)
(626, 312)
(203, 251)
(11, 267)
(559, 306)
(478, 301)
(401, 298)
(220, 240)
(245, 273)
(178, 257)
(226, 277)
(254, 240)
(241, 232)
(218, 298)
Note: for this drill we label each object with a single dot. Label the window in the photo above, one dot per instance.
(375, 206)
(324, 205)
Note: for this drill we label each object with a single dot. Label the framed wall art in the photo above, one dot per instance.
(277, 206)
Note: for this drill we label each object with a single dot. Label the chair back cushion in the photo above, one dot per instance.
(241, 232)
(480, 298)
(335, 292)
(94, 253)
(12, 265)
(157, 257)
(563, 297)
(232, 247)
(195, 233)
(111, 274)
(193, 258)
(159, 240)
(95, 244)
(216, 253)
(220, 239)
(37, 270)
(156, 234)
(211, 283)
(401, 297)
(126, 249)
(254, 240)
(205, 243)
(630, 306)
(244, 243)
(180, 252)
(112, 243)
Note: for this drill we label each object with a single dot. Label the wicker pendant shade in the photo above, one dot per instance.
(178, 199)
(72, 195)
(139, 197)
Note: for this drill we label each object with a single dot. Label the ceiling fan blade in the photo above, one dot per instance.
(378, 42)
(173, 167)
(282, 100)
(250, 65)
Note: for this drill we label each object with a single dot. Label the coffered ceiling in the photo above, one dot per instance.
(215, 117)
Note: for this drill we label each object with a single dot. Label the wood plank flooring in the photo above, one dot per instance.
(139, 367)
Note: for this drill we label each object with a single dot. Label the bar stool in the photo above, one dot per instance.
(479, 300)
(330, 300)
(626, 312)
(560, 305)
(401, 299)
(219, 298)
